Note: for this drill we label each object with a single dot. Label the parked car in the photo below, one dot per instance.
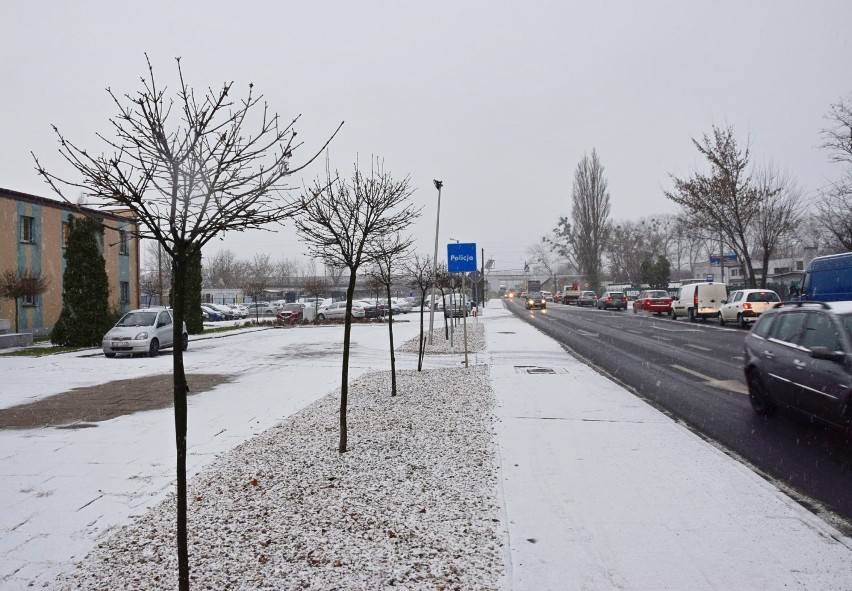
(612, 300)
(744, 306)
(536, 299)
(292, 312)
(226, 311)
(699, 300)
(238, 310)
(260, 309)
(403, 304)
(799, 355)
(587, 298)
(338, 310)
(143, 331)
(456, 306)
(657, 301)
(212, 314)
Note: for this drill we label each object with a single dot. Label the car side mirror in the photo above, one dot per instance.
(824, 353)
(724, 301)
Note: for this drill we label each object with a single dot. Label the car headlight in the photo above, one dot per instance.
(141, 336)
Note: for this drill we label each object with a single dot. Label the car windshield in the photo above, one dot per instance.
(138, 319)
(616, 294)
(763, 296)
(658, 294)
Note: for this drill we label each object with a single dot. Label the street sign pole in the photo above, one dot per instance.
(461, 258)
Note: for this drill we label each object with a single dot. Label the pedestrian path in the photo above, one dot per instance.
(602, 491)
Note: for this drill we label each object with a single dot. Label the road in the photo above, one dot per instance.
(694, 372)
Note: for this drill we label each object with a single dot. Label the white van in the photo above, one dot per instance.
(699, 300)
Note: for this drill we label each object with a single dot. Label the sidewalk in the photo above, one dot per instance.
(602, 491)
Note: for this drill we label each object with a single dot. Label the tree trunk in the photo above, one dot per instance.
(16, 315)
(344, 378)
(180, 390)
(390, 332)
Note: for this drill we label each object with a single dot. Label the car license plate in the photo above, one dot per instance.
(119, 345)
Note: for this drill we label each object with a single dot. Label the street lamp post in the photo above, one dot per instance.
(438, 185)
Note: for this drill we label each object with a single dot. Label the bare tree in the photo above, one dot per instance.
(189, 168)
(777, 214)
(834, 205)
(724, 200)
(582, 240)
(158, 264)
(341, 220)
(541, 253)
(315, 287)
(419, 267)
(633, 242)
(223, 269)
(387, 249)
(16, 285)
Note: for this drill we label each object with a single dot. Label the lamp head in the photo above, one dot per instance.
(438, 184)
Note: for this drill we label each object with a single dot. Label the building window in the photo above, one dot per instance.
(27, 229)
(66, 233)
(800, 265)
(29, 301)
(122, 242)
(125, 292)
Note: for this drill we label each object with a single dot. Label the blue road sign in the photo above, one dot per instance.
(461, 258)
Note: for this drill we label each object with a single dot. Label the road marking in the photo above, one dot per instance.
(587, 334)
(678, 329)
(730, 385)
(699, 347)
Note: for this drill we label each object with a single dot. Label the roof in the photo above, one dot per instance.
(116, 214)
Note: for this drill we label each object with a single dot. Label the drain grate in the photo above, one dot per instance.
(534, 369)
(505, 332)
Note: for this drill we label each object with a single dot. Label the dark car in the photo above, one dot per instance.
(536, 299)
(612, 300)
(587, 298)
(657, 301)
(799, 355)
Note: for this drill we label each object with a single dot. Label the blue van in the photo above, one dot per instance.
(828, 278)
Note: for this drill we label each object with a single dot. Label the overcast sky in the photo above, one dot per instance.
(499, 100)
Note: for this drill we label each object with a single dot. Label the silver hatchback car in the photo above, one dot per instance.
(143, 331)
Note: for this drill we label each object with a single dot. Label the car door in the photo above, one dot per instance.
(164, 328)
(822, 383)
(729, 308)
(781, 357)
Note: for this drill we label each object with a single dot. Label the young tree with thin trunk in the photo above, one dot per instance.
(419, 268)
(341, 220)
(778, 213)
(15, 286)
(189, 167)
(388, 249)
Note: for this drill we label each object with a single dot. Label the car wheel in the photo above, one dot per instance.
(673, 314)
(154, 348)
(691, 314)
(184, 344)
(758, 395)
(742, 321)
(320, 316)
(635, 311)
(722, 320)
(109, 355)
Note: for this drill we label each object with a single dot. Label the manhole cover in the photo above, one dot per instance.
(505, 332)
(536, 370)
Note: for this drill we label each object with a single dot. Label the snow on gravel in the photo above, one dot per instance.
(441, 345)
(413, 503)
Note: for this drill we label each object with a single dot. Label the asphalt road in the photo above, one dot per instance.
(693, 371)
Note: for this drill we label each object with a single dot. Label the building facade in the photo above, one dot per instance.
(33, 233)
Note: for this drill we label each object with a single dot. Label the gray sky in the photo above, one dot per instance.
(499, 100)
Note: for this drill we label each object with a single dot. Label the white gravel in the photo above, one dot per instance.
(412, 505)
(441, 345)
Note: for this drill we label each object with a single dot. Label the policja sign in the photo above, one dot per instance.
(461, 258)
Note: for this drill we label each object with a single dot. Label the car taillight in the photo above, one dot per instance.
(695, 301)
(746, 306)
(609, 298)
(624, 299)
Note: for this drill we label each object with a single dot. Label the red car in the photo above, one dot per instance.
(291, 313)
(657, 301)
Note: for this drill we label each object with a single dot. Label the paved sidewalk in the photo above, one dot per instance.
(602, 491)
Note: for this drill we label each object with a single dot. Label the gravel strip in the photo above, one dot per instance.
(441, 345)
(412, 505)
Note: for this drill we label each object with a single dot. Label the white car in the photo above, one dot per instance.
(338, 310)
(260, 309)
(143, 331)
(403, 304)
(746, 305)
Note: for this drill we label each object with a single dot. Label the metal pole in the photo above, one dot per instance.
(438, 185)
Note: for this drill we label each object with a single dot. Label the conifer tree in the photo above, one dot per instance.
(85, 316)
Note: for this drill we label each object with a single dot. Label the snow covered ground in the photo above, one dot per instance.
(526, 471)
